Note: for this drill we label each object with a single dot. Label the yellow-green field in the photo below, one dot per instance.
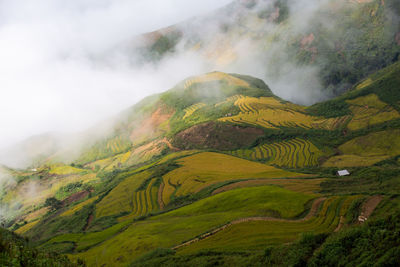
(269, 112)
(61, 169)
(256, 235)
(172, 228)
(124, 198)
(79, 206)
(367, 150)
(190, 110)
(26, 227)
(204, 169)
(352, 161)
(216, 76)
(294, 153)
(369, 110)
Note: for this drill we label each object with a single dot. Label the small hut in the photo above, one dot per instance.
(343, 173)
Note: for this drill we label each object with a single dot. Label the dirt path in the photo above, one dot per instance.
(368, 207)
(313, 211)
(341, 223)
(160, 191)
(88, 222)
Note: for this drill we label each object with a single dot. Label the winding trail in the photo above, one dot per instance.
(313, 211)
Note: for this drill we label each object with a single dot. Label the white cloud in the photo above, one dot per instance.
(48, 81)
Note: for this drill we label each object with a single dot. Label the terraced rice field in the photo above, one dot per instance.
(145, 202)
(105, 149)
(61, 169)
(369, 110)
(331, 123)
(257, 234)
(26, 227)
(215, 76)
(294, 153)
(79, 206)
(367, 150)
(117, 145)
(271, 118)
(148, 151)
(308, 186)
(127, 198)
(110, 163)
(269, 112)
(204, 169)
(122, 197)
(175, 227)
(87, 240)
(190, 110)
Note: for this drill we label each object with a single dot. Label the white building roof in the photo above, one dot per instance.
(343, 173)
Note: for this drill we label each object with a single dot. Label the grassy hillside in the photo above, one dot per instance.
(16, 251)
(219, 169)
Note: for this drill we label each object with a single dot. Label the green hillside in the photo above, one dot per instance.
(16, 251)
(219, 170)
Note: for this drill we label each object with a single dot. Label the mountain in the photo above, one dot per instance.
(219, 169)
(333, 43)
(306, 51)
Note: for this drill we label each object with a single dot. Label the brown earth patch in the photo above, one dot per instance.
(75, 197)
(160, 200)
(368, 207)
(217, 136)
(149, 126)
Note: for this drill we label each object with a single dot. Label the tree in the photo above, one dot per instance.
(53, 203)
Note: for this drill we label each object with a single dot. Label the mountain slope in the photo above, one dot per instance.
(218, 163)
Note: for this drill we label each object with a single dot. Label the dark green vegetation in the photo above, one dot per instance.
(16, 251)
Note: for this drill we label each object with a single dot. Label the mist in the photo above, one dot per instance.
(67, 66)
(49, 80)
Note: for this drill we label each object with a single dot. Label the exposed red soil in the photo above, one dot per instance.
(313, 211)
(217, 136)
(308, 40)
(89, 221)
(368, 207)
(75, 197)
(160, 200)
(149, 125)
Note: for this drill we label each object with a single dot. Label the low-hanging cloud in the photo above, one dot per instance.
(67, 65)
(49, 80)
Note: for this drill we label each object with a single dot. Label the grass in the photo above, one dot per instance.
(174, 227)
(190, 110)
(204, 169)
(294, 153)
(110, 163)
(104, 149)
(369, 110)
(79, 206)
(379, 143)
(352, 161)
(61, 169)
(256, 235)
(26, 227)
(367, 150)
(308, 186)
(216, 76)
(121, 198)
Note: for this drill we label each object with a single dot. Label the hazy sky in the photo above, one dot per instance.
(47, 80)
